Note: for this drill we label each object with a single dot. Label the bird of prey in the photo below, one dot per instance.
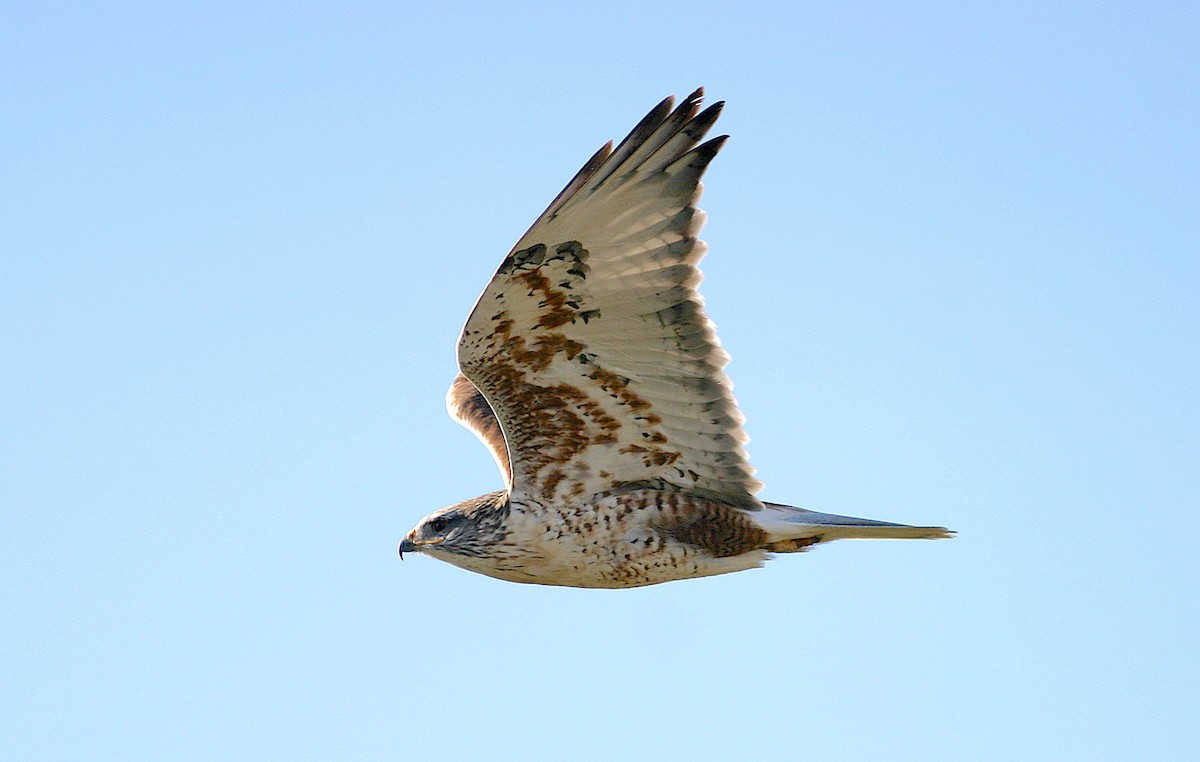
(591, 372)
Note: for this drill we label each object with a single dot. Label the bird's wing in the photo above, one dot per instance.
(467, 405)
(591, 343)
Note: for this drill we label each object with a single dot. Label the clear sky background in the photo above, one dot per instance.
(954, 252)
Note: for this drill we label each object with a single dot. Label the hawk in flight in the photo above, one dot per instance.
(591, 372)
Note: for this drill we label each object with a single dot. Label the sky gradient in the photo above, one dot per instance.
(954, 253)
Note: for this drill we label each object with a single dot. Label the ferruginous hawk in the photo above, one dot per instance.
(592, 373)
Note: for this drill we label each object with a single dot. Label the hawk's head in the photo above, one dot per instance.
(469, 528)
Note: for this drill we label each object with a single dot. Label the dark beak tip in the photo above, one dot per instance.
(406, 546)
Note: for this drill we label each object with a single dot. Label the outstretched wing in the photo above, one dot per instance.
(591, 343)
(467, 405)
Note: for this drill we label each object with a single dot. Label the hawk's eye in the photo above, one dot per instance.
(440, 524)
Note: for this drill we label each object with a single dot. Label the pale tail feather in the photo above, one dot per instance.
(794, 529)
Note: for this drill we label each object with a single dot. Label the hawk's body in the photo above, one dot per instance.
(592, 373)
(625, 539)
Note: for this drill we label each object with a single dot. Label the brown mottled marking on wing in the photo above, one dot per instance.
(553, 423)
(718, 528)
(618, 386)
(591, 344)
(538, 353)
(553, 301)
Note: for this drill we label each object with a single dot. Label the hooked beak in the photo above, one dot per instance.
(407, 546)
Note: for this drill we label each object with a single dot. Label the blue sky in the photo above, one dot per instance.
(954, 252)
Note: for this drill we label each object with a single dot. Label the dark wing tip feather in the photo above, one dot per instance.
(666, 117)
(650, 122)
(705, 119)
(579, 180)
(710, 148)
(661, 117)
(697, 159)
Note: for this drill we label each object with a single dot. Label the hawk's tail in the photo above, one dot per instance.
(794, 529)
